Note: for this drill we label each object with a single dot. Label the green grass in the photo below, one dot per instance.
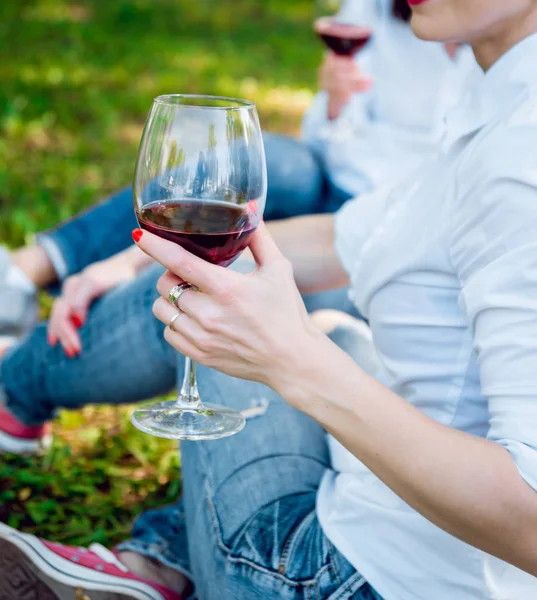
(77, 79)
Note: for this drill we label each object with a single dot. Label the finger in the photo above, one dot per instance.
(69, 289)
(205, 276)
(344, 66)
(164, 311)
(263, 246)
(343, 96)
(166, 283)
(182, 345)
(362, 84)
(62, 329)
(79, 298)
(69, 339)
(69, 294)
(53, 323)
(183, 324)
(57, 316)
(329, 56)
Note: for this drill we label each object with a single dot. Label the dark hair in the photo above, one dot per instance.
(401, 9)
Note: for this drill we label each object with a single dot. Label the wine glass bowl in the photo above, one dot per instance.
(200, 182)
(336, 24)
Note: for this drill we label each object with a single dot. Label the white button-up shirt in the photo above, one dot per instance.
(444, 267)
(509, 583)
(387, 132)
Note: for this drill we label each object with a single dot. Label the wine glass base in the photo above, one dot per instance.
(167, 420)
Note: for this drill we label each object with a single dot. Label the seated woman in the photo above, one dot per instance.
(431, 466)
(390, 128)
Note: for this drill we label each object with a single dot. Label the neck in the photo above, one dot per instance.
(489, 49)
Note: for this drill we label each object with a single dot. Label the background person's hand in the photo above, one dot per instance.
(341, 77)
(79, 291)
(252, 326)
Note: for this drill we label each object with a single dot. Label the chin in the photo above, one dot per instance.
(428, 28)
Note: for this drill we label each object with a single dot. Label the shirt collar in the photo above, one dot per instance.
(493, 91)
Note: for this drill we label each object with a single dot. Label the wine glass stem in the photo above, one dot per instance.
(189, 396)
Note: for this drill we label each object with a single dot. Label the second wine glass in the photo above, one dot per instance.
(200, 182)
(345, 26)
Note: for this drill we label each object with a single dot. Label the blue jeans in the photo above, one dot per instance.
(297, 185)
(246, 525)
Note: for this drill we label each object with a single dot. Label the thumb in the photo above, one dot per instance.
(263, 246)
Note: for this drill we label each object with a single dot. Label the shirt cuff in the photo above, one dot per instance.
(525, 459)
(54, 254)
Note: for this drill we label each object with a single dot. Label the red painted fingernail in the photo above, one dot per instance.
(77, 321)
(137, 235)
(52, 341)
(69, 352)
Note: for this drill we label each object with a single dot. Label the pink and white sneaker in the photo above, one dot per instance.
(16, 438)
(33, 569)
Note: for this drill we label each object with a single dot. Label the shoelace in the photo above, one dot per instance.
(107, 556)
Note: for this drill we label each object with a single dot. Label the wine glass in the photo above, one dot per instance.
(200, 182)
(344, 25)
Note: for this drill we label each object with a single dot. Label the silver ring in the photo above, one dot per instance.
(176, 292)
(172, 321)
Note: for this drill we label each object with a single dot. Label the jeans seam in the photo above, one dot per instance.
(333, 563)
(278, 455)
(289, 543)
(349, 586)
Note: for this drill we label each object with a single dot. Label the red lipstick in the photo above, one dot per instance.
(416, 2)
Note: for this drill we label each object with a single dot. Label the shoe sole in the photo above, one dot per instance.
(30, 571)
(10, 444)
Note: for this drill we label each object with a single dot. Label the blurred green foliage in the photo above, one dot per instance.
(76, 82)
(99, 474)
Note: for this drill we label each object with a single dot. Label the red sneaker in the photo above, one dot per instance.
(33, 568)
(16, 438)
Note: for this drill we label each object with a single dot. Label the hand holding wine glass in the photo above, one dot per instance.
(253, 326)
(345, 26)
(341, 77)
(200, 183)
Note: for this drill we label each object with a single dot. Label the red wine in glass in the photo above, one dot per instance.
(341, 38)
(216, 231)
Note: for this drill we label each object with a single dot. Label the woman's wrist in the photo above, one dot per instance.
(117, 269)
(313, 378)
(136, 259)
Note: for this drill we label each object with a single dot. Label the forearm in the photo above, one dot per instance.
(36, 265)
(466, 485)
(133, 258)
(119, 268)
(308, 242)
